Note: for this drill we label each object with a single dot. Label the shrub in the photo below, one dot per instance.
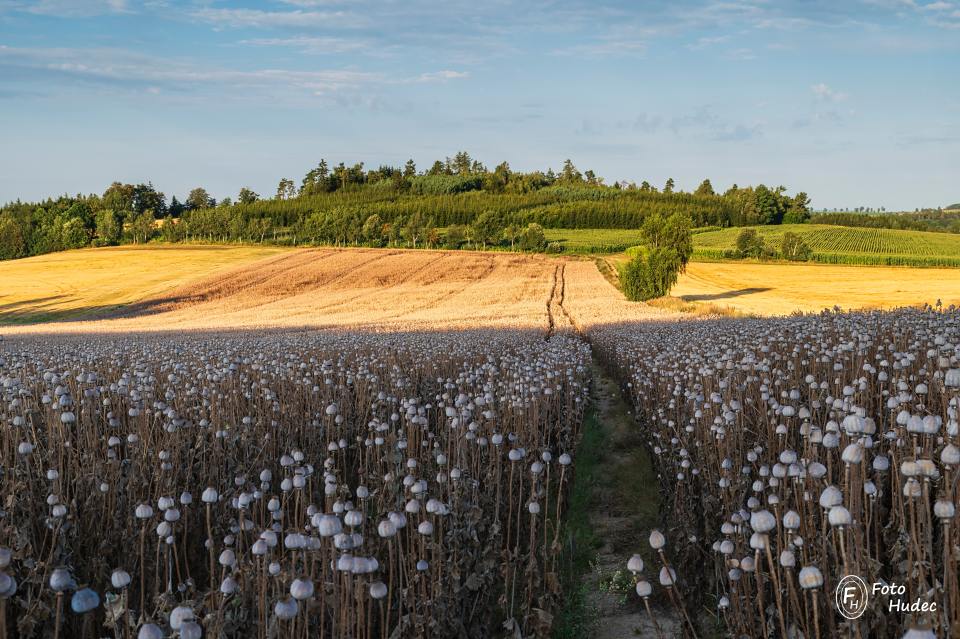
(532, 238)
(651, 273)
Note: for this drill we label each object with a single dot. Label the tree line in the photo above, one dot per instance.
(456, 202)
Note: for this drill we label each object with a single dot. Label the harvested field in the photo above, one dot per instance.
(377, 289)
(72, 284)
(780, 289)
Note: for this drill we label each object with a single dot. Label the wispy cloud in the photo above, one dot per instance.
(68, 8)
(441, 76)
(317, 45)
(708, 41)
(251, 18)
(137, 72)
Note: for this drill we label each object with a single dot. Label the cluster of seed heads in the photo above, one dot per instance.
(343, 485)
(793, 452)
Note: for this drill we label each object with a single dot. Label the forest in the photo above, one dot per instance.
(457, 202)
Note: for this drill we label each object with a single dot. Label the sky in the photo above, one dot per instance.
(856, 102)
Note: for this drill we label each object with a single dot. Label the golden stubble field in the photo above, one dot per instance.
(175, 288)
(781, 289)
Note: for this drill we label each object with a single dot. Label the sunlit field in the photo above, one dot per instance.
(87, 281)
(781, 289)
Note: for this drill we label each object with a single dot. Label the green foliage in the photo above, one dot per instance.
(247, 196)
(12, 242)
(140, 230)
(455, 236)
(750, 244)
(74, 234)
(444, 184)
(487, 228)
(532, 238)
(109, 229)
(373, 230)
(793, 248)
(674, 232)
(651, 273)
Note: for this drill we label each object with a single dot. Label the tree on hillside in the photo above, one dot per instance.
(705, 188)
(569, 173)
(373, 230)
(199, 199)
(668, 187)
(409, 169)
(12, 242)
(510, 233)
(109, 228)
(286, 190)
(148, 199)
(176, 208)
(247, 196)
(141, 227)
(798, 209)
(487, 228)
(119, 198)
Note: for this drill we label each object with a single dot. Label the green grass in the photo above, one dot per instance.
(577, 618)
(846, 245)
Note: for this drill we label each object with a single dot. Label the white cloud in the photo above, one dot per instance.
(826, 94)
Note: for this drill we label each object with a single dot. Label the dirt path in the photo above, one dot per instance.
(622, 508)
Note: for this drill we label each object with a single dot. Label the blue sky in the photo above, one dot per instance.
(856, 102)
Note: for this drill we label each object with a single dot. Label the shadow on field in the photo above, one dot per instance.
(707, 297)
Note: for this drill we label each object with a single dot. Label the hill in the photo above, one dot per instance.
(846, 245)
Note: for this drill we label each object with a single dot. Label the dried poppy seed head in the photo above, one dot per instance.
(810, 577)
(150, 631)
(657, 540)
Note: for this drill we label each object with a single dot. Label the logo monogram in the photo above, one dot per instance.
(852, 597)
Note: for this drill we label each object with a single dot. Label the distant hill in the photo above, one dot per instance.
(954, 207)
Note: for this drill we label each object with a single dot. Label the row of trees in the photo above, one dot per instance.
(342, 204)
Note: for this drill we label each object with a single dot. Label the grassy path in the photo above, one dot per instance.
(614, 505)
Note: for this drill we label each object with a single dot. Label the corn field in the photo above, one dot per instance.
(846, 245)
